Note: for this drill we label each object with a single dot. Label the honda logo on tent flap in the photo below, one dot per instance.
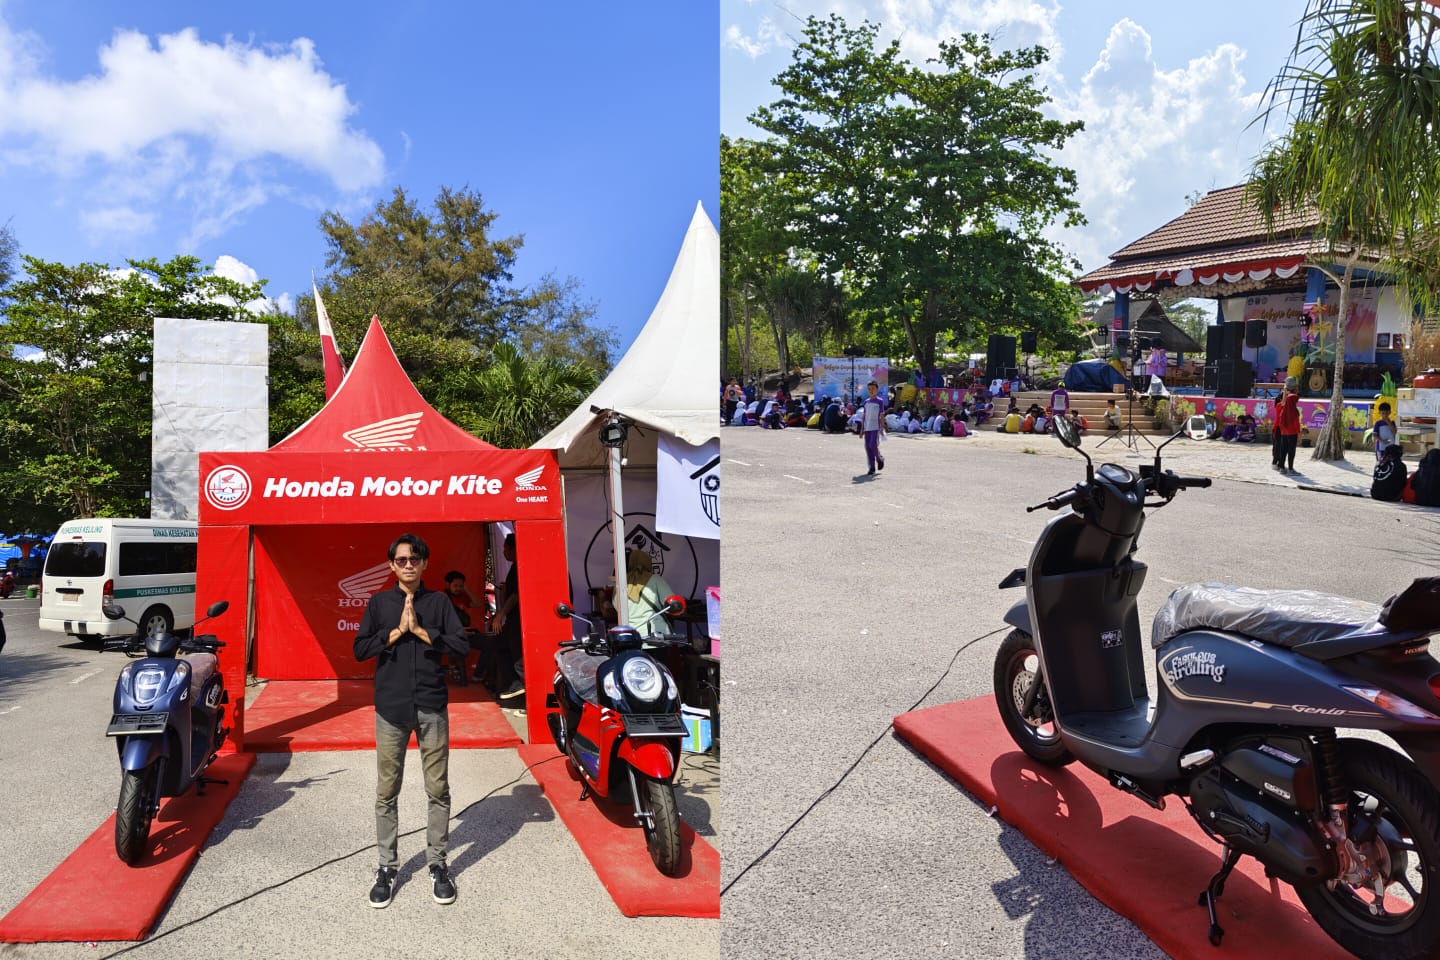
(358, 588)
(392, 434)
(526, 480)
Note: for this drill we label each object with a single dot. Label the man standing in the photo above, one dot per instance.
(872, 426)
(409, 629)
(732, 398)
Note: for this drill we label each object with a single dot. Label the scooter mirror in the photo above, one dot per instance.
(217, 608)
(674, 604)
(113, 611)
(563, 611)
(1067, 433)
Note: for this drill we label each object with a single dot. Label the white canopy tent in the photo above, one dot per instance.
(666, 386)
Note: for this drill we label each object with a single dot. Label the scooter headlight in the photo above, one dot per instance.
(179, 677)
(642, 678)
(147, 684)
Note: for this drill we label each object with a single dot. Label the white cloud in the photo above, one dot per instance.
(123, 221)
(176, 115)
(767, 37)
(232, 268)
(1151, 137)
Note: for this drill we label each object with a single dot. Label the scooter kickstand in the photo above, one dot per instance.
(1212, 892)
(202, 782)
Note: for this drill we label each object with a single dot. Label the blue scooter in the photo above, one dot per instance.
(167, 725)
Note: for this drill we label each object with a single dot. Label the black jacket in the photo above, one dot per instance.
(1389, 482)
(408, 673)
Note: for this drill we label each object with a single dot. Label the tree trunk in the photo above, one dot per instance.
(1330, 444)
(724, 339)
(746, 345)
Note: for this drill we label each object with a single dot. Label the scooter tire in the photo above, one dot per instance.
(663, 840)
(132, 815)
(1408, 808)
(1016, 662)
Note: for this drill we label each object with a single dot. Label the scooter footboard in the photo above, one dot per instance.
(652, 758)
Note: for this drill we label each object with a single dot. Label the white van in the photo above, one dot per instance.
(146, 566)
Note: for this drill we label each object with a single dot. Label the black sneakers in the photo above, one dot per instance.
(384, 890)
(442, 887)
(515, 689)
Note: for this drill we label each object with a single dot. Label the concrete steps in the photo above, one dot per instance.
(1092, 408)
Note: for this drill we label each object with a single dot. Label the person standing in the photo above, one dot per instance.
(408, 629)
(733, 395)
(507, 623)
(1384, 432)
(872, 427)
(1287, 426)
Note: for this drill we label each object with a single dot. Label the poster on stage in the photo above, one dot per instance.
(687, 500)
(832, 375)
(1285, 326)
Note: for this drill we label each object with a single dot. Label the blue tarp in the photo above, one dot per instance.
(1093, 376)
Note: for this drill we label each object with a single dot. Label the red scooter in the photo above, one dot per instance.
(615, 714)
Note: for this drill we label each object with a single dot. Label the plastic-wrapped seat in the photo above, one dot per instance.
(1285, 618)
(579, 669)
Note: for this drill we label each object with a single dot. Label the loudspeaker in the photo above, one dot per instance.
(1027, 341)
(1255, 333)
(1234, 338)
(1234, 378)
(999, 357)
(1212, 372)
(1214, 342)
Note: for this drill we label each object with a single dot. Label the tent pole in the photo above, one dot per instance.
(617, 539)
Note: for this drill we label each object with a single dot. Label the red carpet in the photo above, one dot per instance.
(615, 846)
(1145, 864)
(295, 716)
(91, 895)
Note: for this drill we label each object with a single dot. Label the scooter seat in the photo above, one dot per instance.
(579, 669)
(1285, 618)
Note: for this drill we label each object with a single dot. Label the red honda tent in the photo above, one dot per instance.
(295, 536)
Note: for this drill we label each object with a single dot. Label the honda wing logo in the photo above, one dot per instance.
(359, 587)
(392, 434)
(526, 480)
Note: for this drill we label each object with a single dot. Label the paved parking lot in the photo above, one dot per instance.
(848, 599)
(287, 871)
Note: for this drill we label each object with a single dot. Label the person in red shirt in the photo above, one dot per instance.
(1287, 429)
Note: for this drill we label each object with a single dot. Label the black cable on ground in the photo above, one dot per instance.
(850, 769)
(304, 873)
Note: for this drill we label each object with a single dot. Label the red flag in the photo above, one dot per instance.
(334, 366)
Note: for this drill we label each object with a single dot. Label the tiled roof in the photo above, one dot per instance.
(1221, 218)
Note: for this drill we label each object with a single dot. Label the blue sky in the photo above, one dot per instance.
(225, 130)
(1167, 90)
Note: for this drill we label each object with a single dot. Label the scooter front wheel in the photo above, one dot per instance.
(132, 814)
(1017, 666)
(663, 839)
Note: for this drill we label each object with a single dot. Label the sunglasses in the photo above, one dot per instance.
(410, 561)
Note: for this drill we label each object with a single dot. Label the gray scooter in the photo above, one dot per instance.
(1251, 685)
(168, 723)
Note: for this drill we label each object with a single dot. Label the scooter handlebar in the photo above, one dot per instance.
(1057, 501)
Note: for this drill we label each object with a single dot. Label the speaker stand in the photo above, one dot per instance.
(1127, 434)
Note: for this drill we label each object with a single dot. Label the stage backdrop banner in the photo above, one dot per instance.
(1282, 313)
(688, 498)
(832, 375)
(688, 564)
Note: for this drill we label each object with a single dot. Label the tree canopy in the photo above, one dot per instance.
(924, 190)
(75, 360)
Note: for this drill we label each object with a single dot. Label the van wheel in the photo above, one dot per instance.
(156, 619)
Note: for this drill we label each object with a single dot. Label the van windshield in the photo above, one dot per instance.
(75, 559)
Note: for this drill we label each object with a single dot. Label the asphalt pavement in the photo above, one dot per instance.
(286, 873)
(851, 599)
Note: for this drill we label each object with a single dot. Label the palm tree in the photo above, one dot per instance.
(517, 398)
(1363, 149)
